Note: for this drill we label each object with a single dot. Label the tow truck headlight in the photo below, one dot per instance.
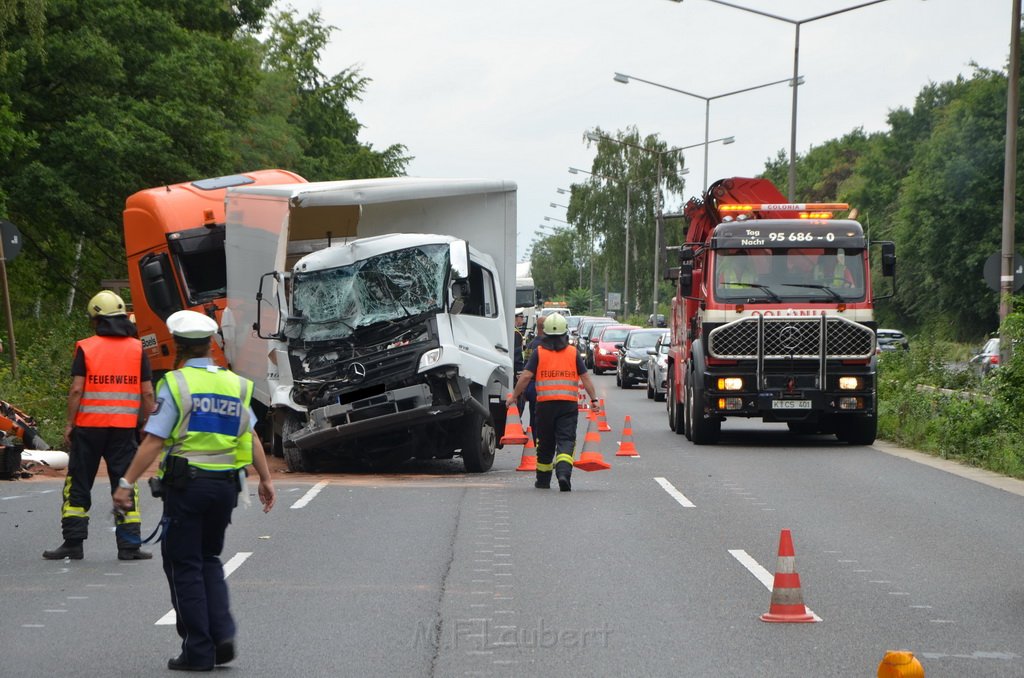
(850, 383)
(730, 384)
(431, 357)
(730, 403)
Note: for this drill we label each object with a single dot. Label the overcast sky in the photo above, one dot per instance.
(506, 90)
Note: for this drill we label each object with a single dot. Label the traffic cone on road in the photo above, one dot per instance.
(590, 458)
(602, 420)
(529, 459)
(787, 599)
(900, 664)
(626, 446)
(513, 428)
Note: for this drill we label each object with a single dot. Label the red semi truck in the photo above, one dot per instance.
(773, 316)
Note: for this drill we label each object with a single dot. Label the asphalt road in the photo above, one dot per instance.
(660, 566)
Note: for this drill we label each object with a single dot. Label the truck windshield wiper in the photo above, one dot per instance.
(831, 292)
(764, 288)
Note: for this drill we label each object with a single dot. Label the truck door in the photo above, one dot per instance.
(480, 330)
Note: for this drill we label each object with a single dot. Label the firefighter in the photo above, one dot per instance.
(558, 369)
(110, 398)
(203, 428)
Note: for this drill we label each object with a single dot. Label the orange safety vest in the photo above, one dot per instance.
(112, 395)
(557, 378)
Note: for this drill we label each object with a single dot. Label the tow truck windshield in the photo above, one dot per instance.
(789, 274)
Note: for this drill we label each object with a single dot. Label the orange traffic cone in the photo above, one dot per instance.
(626, 446)
(602, 421)
(513, 428)
(529, 460)
(900, 664)
(590, 458)
(787, 600)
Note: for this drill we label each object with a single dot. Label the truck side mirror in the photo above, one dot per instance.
(158, 285)
(685, 277)
(259, 302)
(458, 254)
(888, 259)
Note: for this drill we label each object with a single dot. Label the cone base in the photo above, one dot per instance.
(791, 618)
(528, 464)
(514, 440)
(592, 466)
(627, 452)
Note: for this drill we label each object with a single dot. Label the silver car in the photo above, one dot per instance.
(657, 368)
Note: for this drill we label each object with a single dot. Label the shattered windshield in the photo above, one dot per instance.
(789, 274)
(334, 303)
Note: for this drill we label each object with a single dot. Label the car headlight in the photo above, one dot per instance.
(633, 361)
(663, 362)
(604, 351)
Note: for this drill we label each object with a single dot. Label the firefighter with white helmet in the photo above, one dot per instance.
(559, 370)
(110, 399)
(202, 430)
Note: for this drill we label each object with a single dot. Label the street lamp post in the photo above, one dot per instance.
(796, 23)
(624, 79)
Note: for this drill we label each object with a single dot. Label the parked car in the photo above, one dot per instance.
(633, 356)
(892, 340)
(583, 344)
(603, 352)
(987, 359)
(657, 368)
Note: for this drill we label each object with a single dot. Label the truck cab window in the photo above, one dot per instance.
(482, 298)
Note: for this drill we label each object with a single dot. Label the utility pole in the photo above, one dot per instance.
(1010, 177)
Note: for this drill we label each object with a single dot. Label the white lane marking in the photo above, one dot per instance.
(674, 493)
(170, 618)
(761, 574)
(308, 497)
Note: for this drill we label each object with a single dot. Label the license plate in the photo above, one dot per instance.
(791, 404)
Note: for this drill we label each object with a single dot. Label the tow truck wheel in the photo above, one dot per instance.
(478, 443)
(857, 429)
(676, 414)
(703, 431)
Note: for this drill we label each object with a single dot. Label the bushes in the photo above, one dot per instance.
(926, 402)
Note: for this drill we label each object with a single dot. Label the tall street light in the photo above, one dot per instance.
(796, 23)
(624, 79)
(625, 281)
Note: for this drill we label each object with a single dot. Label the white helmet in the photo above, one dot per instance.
(555, 325)
(192, 327)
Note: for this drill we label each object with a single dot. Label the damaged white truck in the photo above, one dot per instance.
(372, 315)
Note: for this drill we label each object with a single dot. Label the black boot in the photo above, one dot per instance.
(543, 480)
(563, 472)
(71, 549)
(133, 554)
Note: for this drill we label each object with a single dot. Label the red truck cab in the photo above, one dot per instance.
(174, 241)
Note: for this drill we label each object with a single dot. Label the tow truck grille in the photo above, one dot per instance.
(787, 338)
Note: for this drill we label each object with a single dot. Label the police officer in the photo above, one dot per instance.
(558, 369)
(110, 398)
(203, 426)
(518, 345)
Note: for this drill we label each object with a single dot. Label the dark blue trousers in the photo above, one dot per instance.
(198, 518)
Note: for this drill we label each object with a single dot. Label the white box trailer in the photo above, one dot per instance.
(367, 331)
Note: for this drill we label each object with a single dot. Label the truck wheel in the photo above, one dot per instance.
(478, 443)
(298, 461)
(703, 431)
(676, 414)
(857, 429)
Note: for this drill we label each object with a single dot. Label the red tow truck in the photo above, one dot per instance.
(773, 316)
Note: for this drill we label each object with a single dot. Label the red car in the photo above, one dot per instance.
(604, 350)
